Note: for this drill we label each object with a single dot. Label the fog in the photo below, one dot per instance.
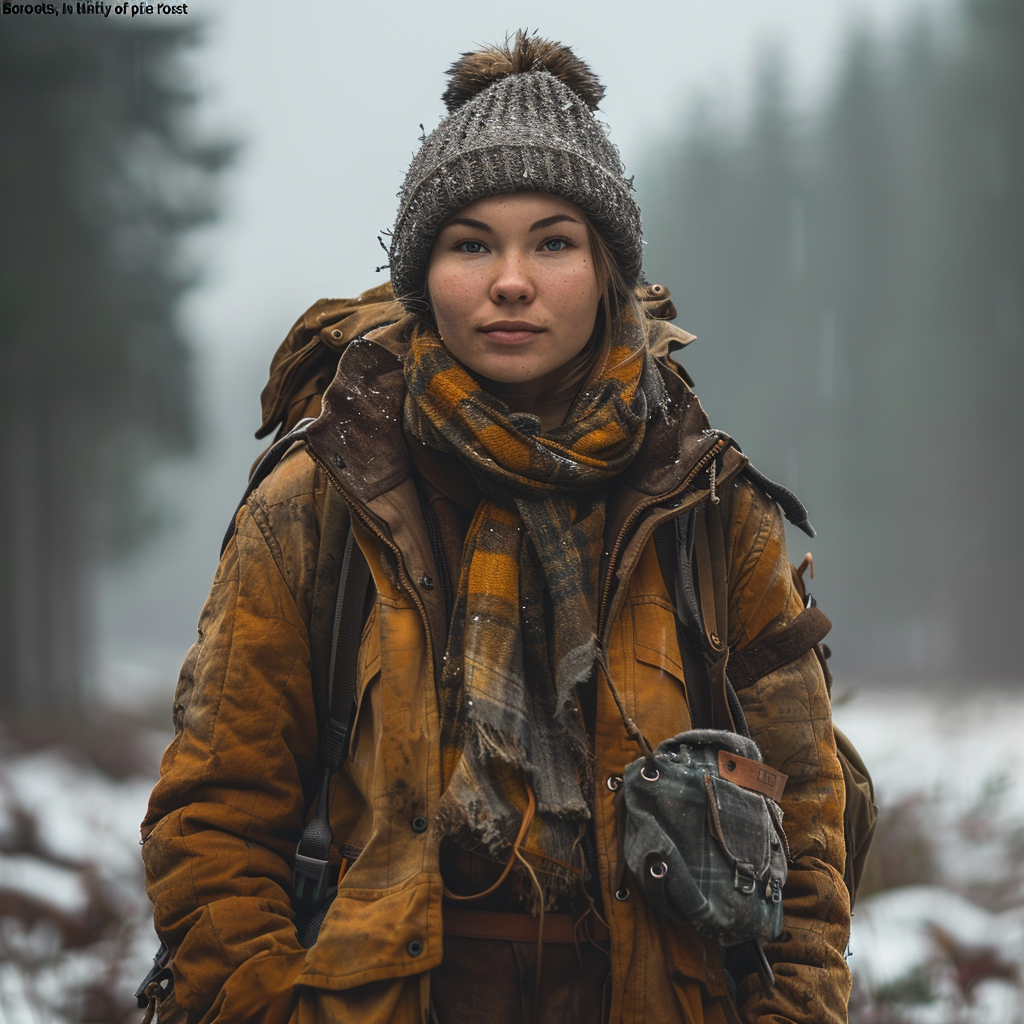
(327, 101)
(832, 191)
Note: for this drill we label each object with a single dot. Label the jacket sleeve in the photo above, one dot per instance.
(224, 818)
(789, 715)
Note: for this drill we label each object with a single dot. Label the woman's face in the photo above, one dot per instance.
(512, 285)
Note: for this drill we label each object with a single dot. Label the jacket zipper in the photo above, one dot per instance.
(730, 1007)
(716, 449)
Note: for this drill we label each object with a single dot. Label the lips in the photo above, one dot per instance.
(511, 332)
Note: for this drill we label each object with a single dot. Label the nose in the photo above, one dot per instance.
(512, 281)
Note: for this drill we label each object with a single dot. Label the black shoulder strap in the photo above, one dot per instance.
(341, 672)
(273, 455)
(673, 544)
(323, 633)
(312, 855)
(713, 587)
(691, 554)
(335, 619)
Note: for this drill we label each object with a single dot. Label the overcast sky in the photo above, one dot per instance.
(327, 99)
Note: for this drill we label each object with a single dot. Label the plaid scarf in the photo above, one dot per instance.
(523, 631)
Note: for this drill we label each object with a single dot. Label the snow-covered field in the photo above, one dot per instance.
(75, 934)
(940, 942)
(948, 773)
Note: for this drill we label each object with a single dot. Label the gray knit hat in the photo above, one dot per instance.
(520, 120)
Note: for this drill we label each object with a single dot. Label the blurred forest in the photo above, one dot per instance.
(99, 177)
(854, 277)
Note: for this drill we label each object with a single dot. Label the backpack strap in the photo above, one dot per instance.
(713, 586)
(674, 546)
(274, 454)
(691, 554)
(696, 543)
(339, 599)
(310, 889)
(334, 529)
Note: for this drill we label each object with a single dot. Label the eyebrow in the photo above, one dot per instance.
(548, 221)
(479, 225)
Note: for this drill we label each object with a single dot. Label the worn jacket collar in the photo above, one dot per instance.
(359, 438)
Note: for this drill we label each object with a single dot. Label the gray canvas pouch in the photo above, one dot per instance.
(702, 836)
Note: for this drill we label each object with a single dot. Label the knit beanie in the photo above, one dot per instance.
(521, 119)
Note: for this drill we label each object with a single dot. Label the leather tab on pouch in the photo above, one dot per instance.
(755, 775)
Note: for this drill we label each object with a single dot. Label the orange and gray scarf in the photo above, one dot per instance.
(523, 631)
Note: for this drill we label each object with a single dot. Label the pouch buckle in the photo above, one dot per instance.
(745, 879)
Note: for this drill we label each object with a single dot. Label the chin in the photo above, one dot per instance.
(511, 378)
(502, 373)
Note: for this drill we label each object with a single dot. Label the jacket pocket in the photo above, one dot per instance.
(654, 636)
(658, 683)
(377, 934)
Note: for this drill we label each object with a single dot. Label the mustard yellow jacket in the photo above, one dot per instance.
(236, 781)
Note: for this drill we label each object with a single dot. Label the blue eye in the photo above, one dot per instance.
(555, 245)
(471, 247)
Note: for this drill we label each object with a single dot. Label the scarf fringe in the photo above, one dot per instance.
(523, 634)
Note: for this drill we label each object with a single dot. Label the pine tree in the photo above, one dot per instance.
(857, 290)
(99, 179)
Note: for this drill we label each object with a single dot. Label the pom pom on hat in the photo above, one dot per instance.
(521, 120)
(475, 71)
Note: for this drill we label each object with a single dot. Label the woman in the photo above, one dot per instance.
(506, 443)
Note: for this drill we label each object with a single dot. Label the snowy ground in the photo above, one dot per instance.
(941, 942)
(75, 933)
(948, 772)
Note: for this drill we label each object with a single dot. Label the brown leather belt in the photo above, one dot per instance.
(463, 923)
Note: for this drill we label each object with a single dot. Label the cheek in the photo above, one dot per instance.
(452, 295)
(579, 295)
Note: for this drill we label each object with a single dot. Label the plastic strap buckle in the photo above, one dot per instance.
(159, 982)
(309, 883)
